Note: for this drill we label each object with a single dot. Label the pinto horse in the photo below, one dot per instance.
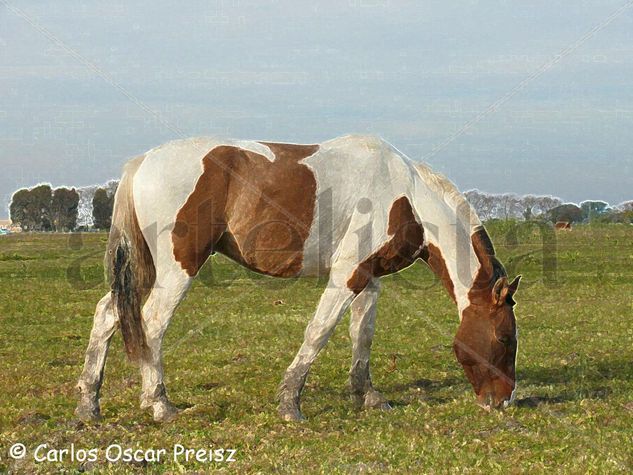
(353, 209)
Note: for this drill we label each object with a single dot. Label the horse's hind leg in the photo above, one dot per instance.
(169, 290)
(361, 330)
(104, 326)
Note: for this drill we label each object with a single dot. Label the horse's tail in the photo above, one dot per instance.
(129, 264)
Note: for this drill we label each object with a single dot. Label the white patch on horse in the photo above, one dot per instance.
(449, 223)
(352, 206)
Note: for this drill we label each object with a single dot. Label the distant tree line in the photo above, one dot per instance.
(510, 206)
(43, 208)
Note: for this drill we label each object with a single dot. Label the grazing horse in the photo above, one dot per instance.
(353, 208)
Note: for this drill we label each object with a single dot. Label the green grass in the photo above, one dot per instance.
(230, 341)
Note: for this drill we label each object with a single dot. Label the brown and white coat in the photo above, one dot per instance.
(352, 208)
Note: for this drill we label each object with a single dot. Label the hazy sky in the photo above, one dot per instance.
(85, 85)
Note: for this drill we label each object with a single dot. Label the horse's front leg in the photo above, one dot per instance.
(334, 302)
(104, 326)
(361, 330)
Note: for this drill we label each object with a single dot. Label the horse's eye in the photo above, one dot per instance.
(505, 340)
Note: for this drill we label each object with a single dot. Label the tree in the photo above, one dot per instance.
(534, 206)
(102, 204)
(507, 206)
(111, 187)
(510, 206)
(85, 219)
(613, 215)
(31, 208)
(625, 206)
(41, 197)
(84, 212)
(566, 212)
(622, 213)
(64, 207)
(528, 203)
(482, 202)
(546, 203)
(592, 209)
(19, 209)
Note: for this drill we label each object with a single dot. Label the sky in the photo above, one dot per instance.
(503, 96)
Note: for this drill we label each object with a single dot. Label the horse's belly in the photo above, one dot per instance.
(273, 251)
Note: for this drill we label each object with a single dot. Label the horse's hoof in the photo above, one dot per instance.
(383, 406)
(88, 413)
(291, 415)
(164, 411)
(375, 400)
(358, 400)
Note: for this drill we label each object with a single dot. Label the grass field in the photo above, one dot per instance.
(234, 335)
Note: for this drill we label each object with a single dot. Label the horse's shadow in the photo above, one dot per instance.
(431, 391)
(570, 382)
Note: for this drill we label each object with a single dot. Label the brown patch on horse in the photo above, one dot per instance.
(202, 219)
(490, 271)
(402, 249)
(563, 225)
(256, 211)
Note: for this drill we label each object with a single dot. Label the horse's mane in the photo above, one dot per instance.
(446, 189)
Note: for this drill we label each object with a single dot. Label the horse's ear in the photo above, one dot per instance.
(500, 291)
(514, 285)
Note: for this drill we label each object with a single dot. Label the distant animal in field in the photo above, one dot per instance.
(353, 209)
(563, 226)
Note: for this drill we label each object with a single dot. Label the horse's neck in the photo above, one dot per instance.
(449, 222)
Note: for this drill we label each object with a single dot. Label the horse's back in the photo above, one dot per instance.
(263, 204)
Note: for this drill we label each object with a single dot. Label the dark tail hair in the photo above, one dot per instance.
(130, 267)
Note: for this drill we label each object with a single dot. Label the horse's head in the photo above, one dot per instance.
(486, 343)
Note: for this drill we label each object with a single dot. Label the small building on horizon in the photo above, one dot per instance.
(7, 227)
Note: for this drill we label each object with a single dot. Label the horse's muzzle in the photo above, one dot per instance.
(489, 403)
